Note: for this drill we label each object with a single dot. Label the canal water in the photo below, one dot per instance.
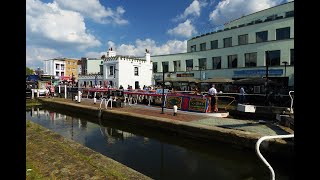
(159, 155)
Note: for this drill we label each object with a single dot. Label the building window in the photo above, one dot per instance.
(250, 59)
(193, 48)
(111, 71)
(155, 67)
(262, 36)
(214, 44)
(136, 71)
(283, 33)
(243, 39)
(57, 66)
(62, 73)
(227, 42)
(273, 58)
(203, 63)
(203, 47)
(68, 62)
(57, 73)
(62, 67)
(176, 66)
(216, 62)
(232, 61)
(189, 65)
(165, 66)
(101, 69)
(291, 56)
(74, 63)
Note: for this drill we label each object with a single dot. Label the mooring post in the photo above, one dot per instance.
(59, 91)
(79, 96)
(38, 93)
(65, 91)
(32, 93)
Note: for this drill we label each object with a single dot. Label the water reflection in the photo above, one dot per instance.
(156, 154)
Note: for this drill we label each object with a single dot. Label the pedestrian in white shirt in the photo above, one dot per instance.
(212, 93)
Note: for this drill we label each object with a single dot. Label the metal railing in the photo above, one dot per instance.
(272, 174)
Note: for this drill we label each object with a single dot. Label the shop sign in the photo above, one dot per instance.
(258, 72)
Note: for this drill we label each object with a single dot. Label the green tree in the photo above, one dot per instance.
(29, 71)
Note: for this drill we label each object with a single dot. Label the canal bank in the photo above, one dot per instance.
(181, 125)
(49, 155)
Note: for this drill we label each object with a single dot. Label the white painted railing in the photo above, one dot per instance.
(291, 110)
(272, 174)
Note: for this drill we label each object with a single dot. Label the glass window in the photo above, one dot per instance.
(243, 39)
(216, 62)
(250, 59)
(227, 42)
(193, 48)
(203, 63)
(176, 66)
(136, 71)
(262, 36)
(291, 56)
(189, 64)
(165, 66)
(203, 47)
(290, 14)
(214, 44)
(57, 66)
(283, 33)
(155, 67)
(57, 73)
(111, 71)
(273, 58)
(232, 61)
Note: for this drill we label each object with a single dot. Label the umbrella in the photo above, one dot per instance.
(217, 80)
(180, 79)
(254, 81)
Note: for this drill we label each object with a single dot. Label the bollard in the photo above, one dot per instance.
(76, 98)
(32, 93)
(65, 91)
(94, 100)
(38, 93)
(175, 110)
(79, 96)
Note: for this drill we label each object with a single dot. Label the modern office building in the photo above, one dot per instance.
(244, 48)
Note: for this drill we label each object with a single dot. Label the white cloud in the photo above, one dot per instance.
(36, 55)
(50, 26)
(138, 49)
(94, 54)
(193, 9)
(94, 10)
(227, 10)
(185, 29)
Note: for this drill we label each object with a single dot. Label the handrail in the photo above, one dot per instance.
(291, 110)
(272, 174)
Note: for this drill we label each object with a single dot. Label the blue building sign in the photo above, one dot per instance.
(258, 72)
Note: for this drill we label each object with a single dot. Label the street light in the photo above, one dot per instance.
(267, 73)
(162, 89)
(285, 68)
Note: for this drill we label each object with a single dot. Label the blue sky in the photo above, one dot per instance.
(87, 28)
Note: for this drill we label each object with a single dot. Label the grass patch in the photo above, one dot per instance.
(32, 102)
(32, 172)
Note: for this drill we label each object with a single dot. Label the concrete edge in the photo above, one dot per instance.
(195, 131)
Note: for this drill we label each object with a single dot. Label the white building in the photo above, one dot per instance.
(125, 70)
(55, 67)
(240, 50)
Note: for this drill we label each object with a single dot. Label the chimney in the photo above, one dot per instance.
(147, 56)
(111, 53)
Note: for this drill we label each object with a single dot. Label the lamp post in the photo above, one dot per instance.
(267, 73)
(162, 90)
(285, 68)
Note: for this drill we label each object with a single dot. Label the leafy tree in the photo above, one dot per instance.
(29, 71)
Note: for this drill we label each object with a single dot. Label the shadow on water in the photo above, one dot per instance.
(162, 155)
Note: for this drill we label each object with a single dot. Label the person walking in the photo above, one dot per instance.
(213, 94)
(242, 96)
